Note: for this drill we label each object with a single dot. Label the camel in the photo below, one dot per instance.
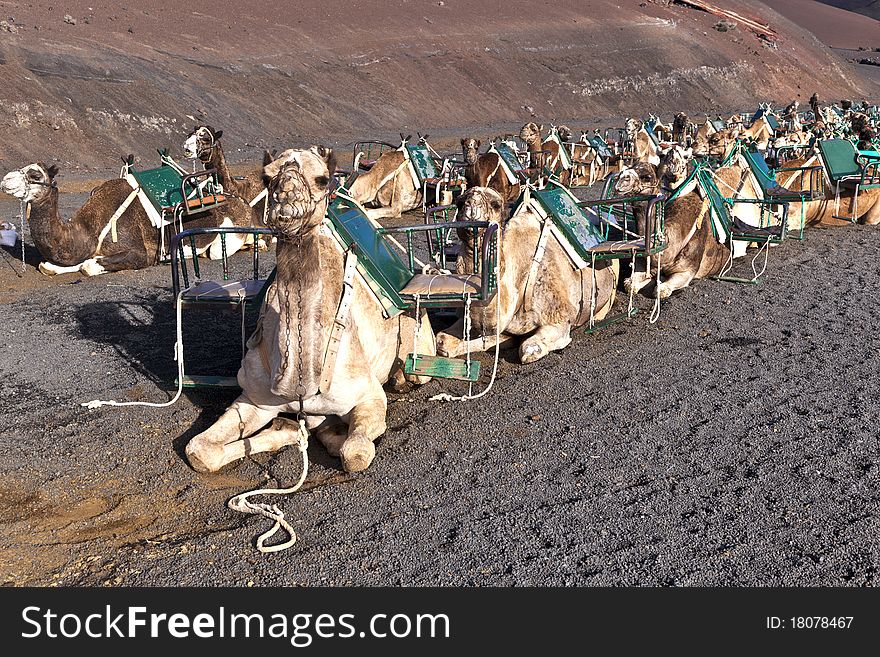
(203, 143)
(289, 366)
(644, 146)
(681, 125)
(92, 243)
(662, 131)
(389, 188)
(487, 170)
(717, 144)
(543, 302)
(553, 158)
(692, 251)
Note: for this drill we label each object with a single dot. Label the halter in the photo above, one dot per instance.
(208, 149)
(293, 166)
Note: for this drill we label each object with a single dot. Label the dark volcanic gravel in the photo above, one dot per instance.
(734, 443)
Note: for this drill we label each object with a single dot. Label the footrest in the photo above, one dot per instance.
(203, 381)
(441, 367)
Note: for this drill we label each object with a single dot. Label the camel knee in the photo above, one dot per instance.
(205, 452)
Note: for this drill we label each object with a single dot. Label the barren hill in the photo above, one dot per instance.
(82, 82)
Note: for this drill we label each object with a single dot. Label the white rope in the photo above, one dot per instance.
(447, 397)
(418, 329)
(24, 213)
(241, 294)
(178, 356)
(467, 334)
(655, 312)
(241, 504)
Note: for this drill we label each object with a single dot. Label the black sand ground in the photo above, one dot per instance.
(734, 442)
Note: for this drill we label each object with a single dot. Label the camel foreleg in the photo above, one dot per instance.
(227, 439)
(551, 337)
(366, 422)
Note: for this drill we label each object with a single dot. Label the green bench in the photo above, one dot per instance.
(776, 193)
(847, 168)
(401, 283)
(734, 230)
(193, 289)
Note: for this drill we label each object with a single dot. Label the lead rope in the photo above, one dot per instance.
(467, 335)
(655, 312)
(178, 356)
(241, 504)
(24, 213)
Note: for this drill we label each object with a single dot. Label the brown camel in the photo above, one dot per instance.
(288, 367)
(204, 143)
(692, 249)
(89, 242)
(543, 302)
(487, 170)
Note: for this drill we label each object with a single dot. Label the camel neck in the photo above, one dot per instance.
(218, 161)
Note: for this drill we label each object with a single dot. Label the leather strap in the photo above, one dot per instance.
(339, 322)
(536, 260)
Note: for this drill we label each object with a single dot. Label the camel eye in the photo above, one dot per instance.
(322, 181)
(495, 205)
(33, 175)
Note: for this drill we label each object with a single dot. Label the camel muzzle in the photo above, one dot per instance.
(15, 184)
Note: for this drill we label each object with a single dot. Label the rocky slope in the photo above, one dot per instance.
(82, 82)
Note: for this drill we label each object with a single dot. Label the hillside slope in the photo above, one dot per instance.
(125, 79)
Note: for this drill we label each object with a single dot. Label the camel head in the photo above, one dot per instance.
(673, 166)
(632, 127)
(201, 142)
(679, 127)
(479, 204)
(476, 204)
(531, 134)
(470, 148)
(716, 144)
(31, 182)
(299, 185)
(637, 180)
(565, 133)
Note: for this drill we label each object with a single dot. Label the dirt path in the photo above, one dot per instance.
(734, 442)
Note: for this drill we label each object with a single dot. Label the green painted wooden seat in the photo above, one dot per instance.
(399, 285)
(162, 185)
(398, 281)
(601, 147)
(425, 167)
(848, 167)
(577, 225)
(733, 228)
(506, 153)
(772, 190)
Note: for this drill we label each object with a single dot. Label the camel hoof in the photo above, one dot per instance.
(44, 270)
(532, 352)
(664, 291)
(357, 454)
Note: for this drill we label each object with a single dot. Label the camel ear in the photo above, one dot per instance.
(218, 134)
(478, 143)
(541, 128)
(52, 171)
(267, 158)
(462, 142)
(329, 156)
